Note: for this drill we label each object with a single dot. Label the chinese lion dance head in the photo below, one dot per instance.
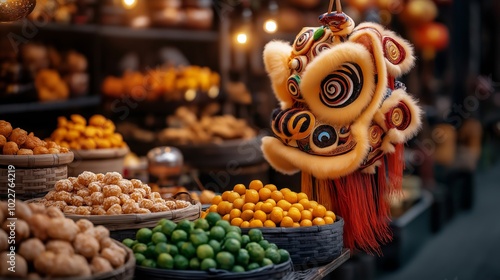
(343, 118)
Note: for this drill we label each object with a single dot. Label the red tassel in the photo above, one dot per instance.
(395, 167)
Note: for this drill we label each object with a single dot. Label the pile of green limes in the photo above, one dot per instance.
(209, 243)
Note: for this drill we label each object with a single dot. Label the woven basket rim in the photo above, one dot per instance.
(101, 153)
(339, 222)
(36, 161)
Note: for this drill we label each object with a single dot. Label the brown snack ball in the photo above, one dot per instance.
(84, 224)
(115, 209)
(97, 120)
(126, 186)
(44, 262)
(98, 210)
(23, 211)
(112, 178)
(100, 265)
(3, 140)
(36, 208)
(21, 270)
(40, 150)
(5, 128)
(146, 203)
(63, 229)
(111, 190)
(86, 245)
(54, 151)
(31, 248)
(19, 136)
(25, 152)
(38, 226)
(32, 142)
(22, 230)
(60, 247)
(110, 201)
(10, 148)
(3, 241)
(95, 187)
(86, 178)
(115, 258)
(70, 209)
(70, 266)
(97, 198)
(83, 210)
(83, 192)
(100, 232)
(63, 185)
(77, 200)
(62, 196)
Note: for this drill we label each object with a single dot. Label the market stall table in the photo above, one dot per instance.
(320, 272)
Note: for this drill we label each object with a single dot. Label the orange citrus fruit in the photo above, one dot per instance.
(290, 196)
(256, 223)
(240, 189)
(328, 220)
(260, 215)
(245, 224)
(256, 185)
(225, 195)
(302, 195)
(313, 204)
(270, 200)
(277, 196)
(306, 223)
(318, 221)
(232, 196)
(238, 203)
(305, 202)
(283, 204)
(212, 208)
(226, 217)
(271, 187)
(319, 211)
(294, 213)
(298, 206)
(251, 196)
(264, 194)
(269, 223)
(236, 222)
(306, 215)
(285, 190)
(247, 215)
(296, 224)
(203, 215)
(286, 222)
(248, 206)
(276, 215)
(258, 205)
(330, 214)
(235, 213)
(216, 199)
(267, 207)
(224, 207)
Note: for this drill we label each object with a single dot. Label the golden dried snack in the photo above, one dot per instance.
(5, 128)
(10, 148)
(3, 140)
(32, 142)
(40, 150)
(19, 136)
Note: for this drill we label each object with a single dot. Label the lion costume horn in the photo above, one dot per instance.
(343, 119)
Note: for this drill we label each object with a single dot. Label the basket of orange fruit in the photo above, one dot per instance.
(312, 234)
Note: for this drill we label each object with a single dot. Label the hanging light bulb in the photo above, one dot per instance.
(242, 38)
(128, 4)
(271, 25)
(243, 33)
(12, 10)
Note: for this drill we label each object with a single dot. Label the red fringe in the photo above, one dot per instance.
(395, 167)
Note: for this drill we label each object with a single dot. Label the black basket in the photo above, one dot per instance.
(308, 246)
(278, 272)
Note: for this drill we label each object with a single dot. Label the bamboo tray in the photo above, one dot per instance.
(98, 161)
(37, 161)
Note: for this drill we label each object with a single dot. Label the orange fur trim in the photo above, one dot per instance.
(276, 55)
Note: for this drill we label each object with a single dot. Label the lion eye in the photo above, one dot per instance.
(342, 87)
(324, 136)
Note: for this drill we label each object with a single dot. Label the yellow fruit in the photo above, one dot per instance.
(212, 208)
(290, 196)
(203, 215)
(240, 189)
(236, 222)
(294, 213)
(283, 204)
(267, 207)
(313, 204)
(285, 190)
(260, 215)
(235, 213)
(330, 214)
(238, 203)
(271, 187)
(226, 217)
(298, 206)
(217, 199)
(276, 196)
(270, 200)
(306, 215)
(258, 205)
(256, 185)
(224, 207)
(248, 206)
(305, 202)
(264, 194)
(318, 221)
(286, 222)
(302, 195)
(245, 224)
(319, 211)
(225, 195)
(276, 215)
(296, 224)
(256, 223)
(251, 196)
(247, 215)
(232, 196)
(269, 223)
(306, 223)
(328, 220)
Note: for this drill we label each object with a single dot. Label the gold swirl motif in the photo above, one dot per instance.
(374, 133)
(393, 51)
(397, 117)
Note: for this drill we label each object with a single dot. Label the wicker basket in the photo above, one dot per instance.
(308, 246)
(98, 161)
(35, 175)
(280, 271)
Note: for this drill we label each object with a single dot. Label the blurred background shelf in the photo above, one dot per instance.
(78, 102)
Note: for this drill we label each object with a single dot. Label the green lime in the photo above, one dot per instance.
(172, 249)
(168, 227)
(245, 239)
(188, 250)
(232, 245)
(157, 229)
(273, 255)
(201, 224)
(284, 255)
(274, 246)
(266, 262)
(179, 235)
(165, 261)
(160, 248)
(140, 248)
(255, 235)
(243, 258)
(179, 245)
(264, 244)
(235, 229)
(212, 218)
(162, 222)
(148, 263)
(194, 264)
(185, 225)
(206, 264)
(205, 251)
(128, 242)
(225, 260)
(158, 237)
(181, 262)
(224, 224)
(253, 266)
(139, 258)
(198, 231)
(256, 252)
(198, 238)
(238, 268)
(151, 252)
(144, 235)
(233, 234)
(217, 232)
(215, 245)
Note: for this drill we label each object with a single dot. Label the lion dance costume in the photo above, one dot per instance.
(343, 119)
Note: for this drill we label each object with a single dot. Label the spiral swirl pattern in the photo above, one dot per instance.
(293, 84)
(303, 42)
(342, 87)
(319, 48)
(393, 51)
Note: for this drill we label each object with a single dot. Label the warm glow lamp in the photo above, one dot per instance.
(12, 10)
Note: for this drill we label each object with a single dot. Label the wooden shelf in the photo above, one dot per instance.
(50, 106)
